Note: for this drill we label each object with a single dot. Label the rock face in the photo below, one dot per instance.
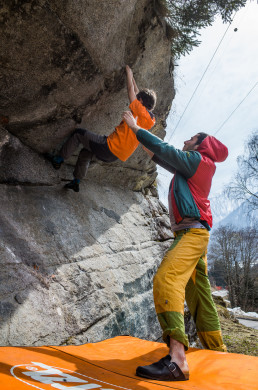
(78, 270)
(77, 267)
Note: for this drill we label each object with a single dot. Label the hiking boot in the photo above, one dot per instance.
(56, 161)
(73, 185)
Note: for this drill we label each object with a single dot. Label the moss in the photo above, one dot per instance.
(219, 300)
(69, 341)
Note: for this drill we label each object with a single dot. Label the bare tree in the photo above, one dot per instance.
(244, 186)
(235, 251)
(248, 258)
(223, 249)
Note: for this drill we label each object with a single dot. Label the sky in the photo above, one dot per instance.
(230, 77)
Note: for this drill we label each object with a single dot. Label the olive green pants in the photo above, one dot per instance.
(183, 275)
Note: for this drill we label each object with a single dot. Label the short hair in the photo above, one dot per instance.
(201, 137)
(148, 97)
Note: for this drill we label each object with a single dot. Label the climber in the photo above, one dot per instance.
(120, 144)
(183, 271)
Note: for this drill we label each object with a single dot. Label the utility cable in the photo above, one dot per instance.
(239, 22)
(207, 80)
(235, 109)
(173, 132)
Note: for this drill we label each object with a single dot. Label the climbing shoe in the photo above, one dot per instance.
(73, 185)
(56, 161)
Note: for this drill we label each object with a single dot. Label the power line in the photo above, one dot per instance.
(173, 132)
(235, 109)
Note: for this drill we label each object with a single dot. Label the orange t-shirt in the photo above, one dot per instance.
(123, 142)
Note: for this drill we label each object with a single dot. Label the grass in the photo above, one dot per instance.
(237, 337)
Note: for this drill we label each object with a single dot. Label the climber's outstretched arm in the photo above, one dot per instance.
(136, 89)
(131, 84)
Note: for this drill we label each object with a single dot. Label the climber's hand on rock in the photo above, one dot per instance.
(129, 71)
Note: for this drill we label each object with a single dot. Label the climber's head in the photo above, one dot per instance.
(148, 98)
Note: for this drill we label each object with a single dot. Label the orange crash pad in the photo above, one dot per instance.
(111, 364)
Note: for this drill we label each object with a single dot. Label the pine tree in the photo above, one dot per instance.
(185, 18)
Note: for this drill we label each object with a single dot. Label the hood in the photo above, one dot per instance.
(213, 148)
